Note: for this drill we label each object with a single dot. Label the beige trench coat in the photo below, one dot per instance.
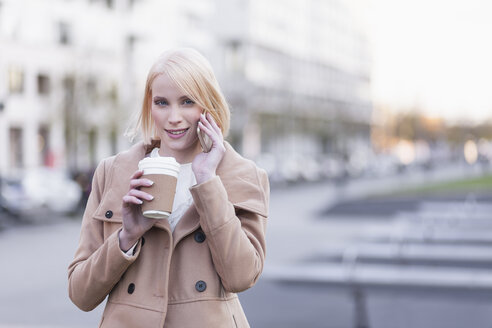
(186, 279)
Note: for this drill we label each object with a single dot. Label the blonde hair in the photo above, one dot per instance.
(193, 74)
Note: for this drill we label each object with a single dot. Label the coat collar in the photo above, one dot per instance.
(235, 172)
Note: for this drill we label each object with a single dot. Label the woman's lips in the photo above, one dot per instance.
(176, 133)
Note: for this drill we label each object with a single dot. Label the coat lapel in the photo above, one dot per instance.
(189, 222)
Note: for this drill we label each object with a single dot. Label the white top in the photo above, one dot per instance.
(182, 198)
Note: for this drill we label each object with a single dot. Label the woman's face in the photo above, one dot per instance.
(175, 117)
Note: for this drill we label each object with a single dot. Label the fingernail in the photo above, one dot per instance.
(150, 183)
(150, 197)
(140, 201)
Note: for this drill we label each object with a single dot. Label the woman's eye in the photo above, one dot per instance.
(189, 102)
(160, 102)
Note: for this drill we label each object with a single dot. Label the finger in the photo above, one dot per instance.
(204, 128)
(128, 200)
(136, 183)
(205, 121)
(214, 124)
(207, 129)
(215, 137)
(137, 174)
(209, 122)
(140, 194)
(214, 133)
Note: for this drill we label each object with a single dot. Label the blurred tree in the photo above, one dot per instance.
(390, 127)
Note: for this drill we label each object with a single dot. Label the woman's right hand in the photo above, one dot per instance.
(134, 223)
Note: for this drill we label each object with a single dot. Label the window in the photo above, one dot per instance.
(114, 140)
(92, 146)
(16, 80)
(69, 90)
(64, 36)
(43, 84)
(234, 57)
(43, 145)
(16, 149)
(108, 3)
(130, 43)
(91, 90)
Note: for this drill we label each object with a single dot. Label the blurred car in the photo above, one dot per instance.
(290, 169)
(13, 199)
(382, 165)
(333, 167)
(40, 188)
(299, 167)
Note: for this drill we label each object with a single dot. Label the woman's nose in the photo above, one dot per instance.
(175, 115)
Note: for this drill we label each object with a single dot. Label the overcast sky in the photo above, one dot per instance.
(434, 54)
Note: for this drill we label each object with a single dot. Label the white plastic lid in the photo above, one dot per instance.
(159, 165)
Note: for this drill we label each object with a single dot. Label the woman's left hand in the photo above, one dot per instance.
(205, 164)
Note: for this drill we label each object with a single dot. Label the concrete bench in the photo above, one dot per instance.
(421, 235)
(445, 219)
(456, 207)
(388, 276)
(476, 256)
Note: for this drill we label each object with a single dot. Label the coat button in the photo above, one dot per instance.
(200, 286)
(200, 236)
(131, 288)
(109, 214)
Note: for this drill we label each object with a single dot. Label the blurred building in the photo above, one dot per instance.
(295, 72)
(62, 78)
(297, 75)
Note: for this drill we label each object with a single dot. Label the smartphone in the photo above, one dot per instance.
(205, 140)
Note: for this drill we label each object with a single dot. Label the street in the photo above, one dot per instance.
(35, 260)
(34, 276)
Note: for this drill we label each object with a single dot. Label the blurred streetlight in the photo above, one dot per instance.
(471, 152)
(405, 151)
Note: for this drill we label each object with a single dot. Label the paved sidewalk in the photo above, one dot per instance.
(34, 277)
(296, 229)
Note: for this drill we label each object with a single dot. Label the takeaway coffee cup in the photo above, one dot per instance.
(163, 171)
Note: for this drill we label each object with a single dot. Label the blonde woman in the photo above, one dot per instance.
(183, 271)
